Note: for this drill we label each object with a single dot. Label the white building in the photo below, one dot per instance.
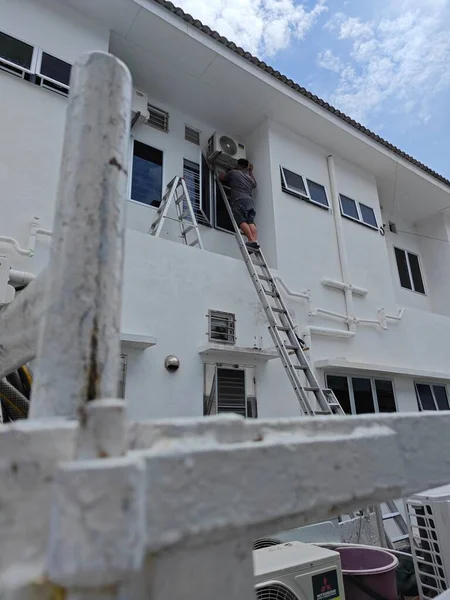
(395, 248)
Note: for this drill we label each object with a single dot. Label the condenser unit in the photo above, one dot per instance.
(429, 523)
(296, 571)
(224, 150)
(140, 107)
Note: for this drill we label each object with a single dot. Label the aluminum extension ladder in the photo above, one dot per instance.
(177, 192)
(283, 331)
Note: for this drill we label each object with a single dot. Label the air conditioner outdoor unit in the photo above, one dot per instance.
(296, 571)
(429, 522)
(140, 105)
(222, 149)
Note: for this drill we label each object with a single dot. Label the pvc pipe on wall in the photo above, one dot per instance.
(341, 242)
(341, 333)
(304, 295)
(399, 317)
(357, 291)
(34, 232)
(20, 277)
(15, 244)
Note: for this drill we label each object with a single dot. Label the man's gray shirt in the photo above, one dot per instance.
(242, 185)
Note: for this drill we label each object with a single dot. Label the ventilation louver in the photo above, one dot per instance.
(275, 591)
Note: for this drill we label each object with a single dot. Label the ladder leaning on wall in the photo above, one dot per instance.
(289, 344)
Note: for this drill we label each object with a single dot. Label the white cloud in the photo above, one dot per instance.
(397, 63)
(263, 27)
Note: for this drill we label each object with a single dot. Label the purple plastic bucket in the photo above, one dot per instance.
(372, 568)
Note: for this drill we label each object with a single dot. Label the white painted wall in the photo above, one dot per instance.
(32, 119)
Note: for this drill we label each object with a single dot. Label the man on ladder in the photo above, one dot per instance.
(242, 183)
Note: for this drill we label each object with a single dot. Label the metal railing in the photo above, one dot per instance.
(95, 508)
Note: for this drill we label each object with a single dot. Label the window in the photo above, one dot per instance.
(204, 212)
(431, 397)
(296, 185)
(146, 179)
(192, 135)
(317, 193)
(362, 395)
(221, 327)
(15, 53)
(230, 389)
(158, 118)
(34, 65)
(409, 271)
(358, 211)
(54, 72)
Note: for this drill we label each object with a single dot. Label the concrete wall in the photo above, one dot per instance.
(32, 118)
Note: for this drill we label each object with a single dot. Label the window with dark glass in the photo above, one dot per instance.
(349, 207)
(55, 68)
(362, 395)
(146, 178)
(15, 51)
(293, 182)
(409, 271)
(368, 215)
(317, 193)
(432, 396)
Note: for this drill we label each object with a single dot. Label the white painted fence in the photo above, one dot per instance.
(98, 508)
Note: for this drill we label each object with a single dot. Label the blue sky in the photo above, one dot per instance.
(386, 63)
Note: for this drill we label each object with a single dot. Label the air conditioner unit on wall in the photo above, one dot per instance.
(140, 105)
(296, 571)
(224, 150)
(429, 522)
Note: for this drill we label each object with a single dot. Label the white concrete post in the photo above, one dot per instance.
(78, 349)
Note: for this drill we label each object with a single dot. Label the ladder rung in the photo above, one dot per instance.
(311, 389)
(258, 263)
(282, 328)
(278, 310)
(322, 412)
(194, 243)
(265, 277)
(290, 347)
(272, 294)
(187, 230)
(391, 515)
(302, 368)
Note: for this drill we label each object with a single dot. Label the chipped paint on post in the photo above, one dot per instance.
(78, 350)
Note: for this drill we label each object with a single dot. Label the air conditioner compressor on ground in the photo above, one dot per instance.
(296, 571)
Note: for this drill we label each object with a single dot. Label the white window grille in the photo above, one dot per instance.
(221, 327)
(192, 135)
(158, 118)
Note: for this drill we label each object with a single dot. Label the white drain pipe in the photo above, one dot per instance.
(341, 243)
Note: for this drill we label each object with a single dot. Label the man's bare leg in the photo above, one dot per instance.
(254, 231)
(247, 231)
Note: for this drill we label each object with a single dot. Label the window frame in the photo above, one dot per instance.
(32, 69)
(430, 385)
(166, 118)
(287, 190)
(358, 210)
(211, 370)
(231, 321)
(408, 266)
(372, 379)
(45, 78)
(134, 139)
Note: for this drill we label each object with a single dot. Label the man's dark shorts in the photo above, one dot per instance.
(244, 211)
